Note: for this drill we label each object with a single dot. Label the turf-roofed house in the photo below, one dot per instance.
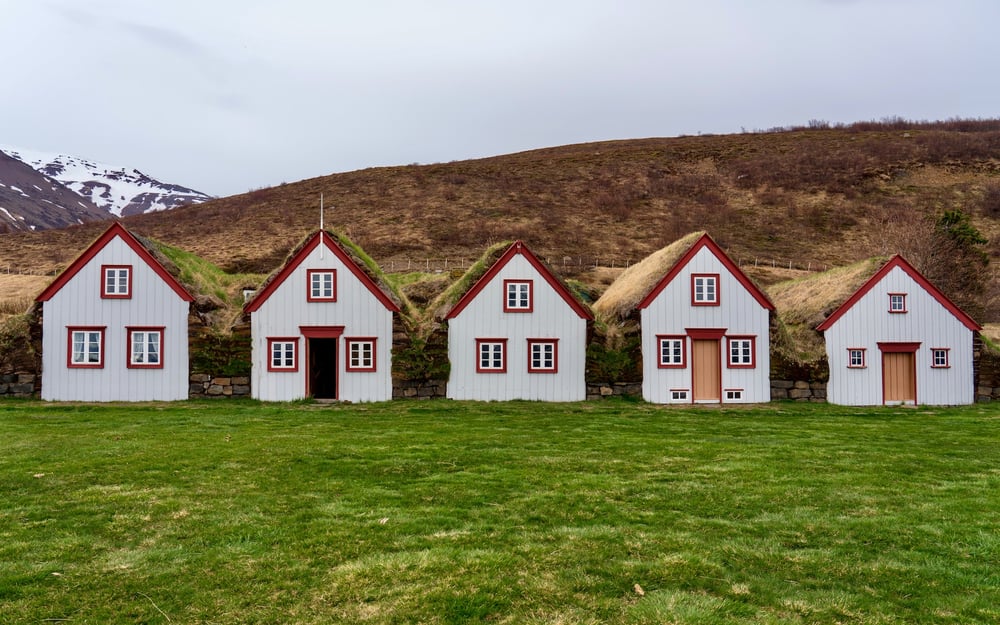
(704, 324)
(321, 326)
(115, 325)
(516, 332)
(898, 339)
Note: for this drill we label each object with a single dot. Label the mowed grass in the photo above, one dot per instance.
(453, 512)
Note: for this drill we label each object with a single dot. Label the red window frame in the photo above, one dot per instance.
(864, 358)
(660, 338)
(729, 352)
(947, 357)
(271, 340)
(506, 296)
(694, 291)
(130, 331)
(349, 344)
(503, 356)
(104, 282)
(555, 355)
(902, 297)
(309, 285)
(69, 351)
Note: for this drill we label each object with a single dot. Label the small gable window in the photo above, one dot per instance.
(116, 282)
(283, 354)
(939, 358)
(543, 356)
(705, 289)
(86, 348)
(360, 354)
(491, 355)
(145, 348)
(856, 358)
(741, 352)
(897, 302)
(672, 352)
(517, 295)
(322, 285)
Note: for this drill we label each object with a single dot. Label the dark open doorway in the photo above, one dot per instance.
(323, 368)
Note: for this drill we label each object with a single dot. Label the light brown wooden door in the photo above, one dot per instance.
(706, 370)
(899, 381)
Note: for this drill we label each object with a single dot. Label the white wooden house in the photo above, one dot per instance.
(518, 333)
(704, 325)
(321, 327)
(115, 326)
(899, 340)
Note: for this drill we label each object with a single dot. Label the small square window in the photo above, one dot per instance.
(734, 394)
(855, 358)
(741, 352)
(86, 348)
(322, 285)
(678, 395)
(491, 355)
(517, 295)
(283, 354)
(116, 281)
(360, 354)
(543, 356)
(939, 358)
(145, 348)
(672, 353)
(897, 302)
(705, 289)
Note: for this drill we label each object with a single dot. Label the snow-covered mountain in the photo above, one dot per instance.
(30, 200)
(118, 190)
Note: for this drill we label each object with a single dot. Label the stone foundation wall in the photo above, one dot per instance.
(798, 390)
(419, 389)
(20, 384)
(205, 385)
(617, 389)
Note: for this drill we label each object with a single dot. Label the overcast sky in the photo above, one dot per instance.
(230, 95)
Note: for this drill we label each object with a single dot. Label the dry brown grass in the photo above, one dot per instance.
(18, 292)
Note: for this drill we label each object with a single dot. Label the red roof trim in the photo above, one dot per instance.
(295, 261)
(899, 261)
(116, 230)
(713, 247)
(516, 248)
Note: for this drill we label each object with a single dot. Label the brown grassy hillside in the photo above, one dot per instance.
(814, 196)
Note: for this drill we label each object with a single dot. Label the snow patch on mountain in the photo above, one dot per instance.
(119, 190)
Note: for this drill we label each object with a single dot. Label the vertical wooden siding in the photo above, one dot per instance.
(551, 318)
(79, 303)
(926, 321)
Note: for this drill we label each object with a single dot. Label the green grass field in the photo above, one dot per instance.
(451, 512)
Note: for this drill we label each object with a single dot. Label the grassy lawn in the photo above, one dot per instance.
(452, 512)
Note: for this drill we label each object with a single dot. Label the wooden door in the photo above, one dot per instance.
(899, 377)
(706, 370)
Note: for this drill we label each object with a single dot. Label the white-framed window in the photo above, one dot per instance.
(939, 357)
(678, 394)
(145, 348)
(283, 354)
(672, 352)
(116, 282)
(705, 289)
(734, 394)
(856, 358)
(897, 302)
(518, 295)
(86, 348)
(742, 352)
(322, 285)
(360, 353)
(543, 356)
(491, 355)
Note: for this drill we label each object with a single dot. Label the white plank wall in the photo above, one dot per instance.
(79, 303)
(926, 321)
(552, 318)
(672, 313)
(356, 308)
